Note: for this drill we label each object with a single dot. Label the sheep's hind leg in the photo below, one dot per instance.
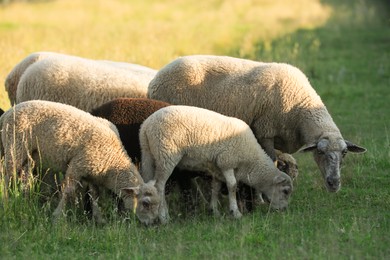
(231, 184)
(215, 190)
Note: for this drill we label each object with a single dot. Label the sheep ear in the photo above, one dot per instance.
(130, 191)
(308, 147)
(354, 148)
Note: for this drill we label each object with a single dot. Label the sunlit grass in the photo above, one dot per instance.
(342, 46)
(150, 33)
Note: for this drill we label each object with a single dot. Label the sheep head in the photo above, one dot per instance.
(328, 153)
(287, 164)
(143, 200)
(279, 192)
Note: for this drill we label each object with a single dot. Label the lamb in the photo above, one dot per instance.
(83, 83)
(275, 99)
(85, 148)
(128, 114)
(194, 138)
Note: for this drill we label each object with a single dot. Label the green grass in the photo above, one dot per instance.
(345, 54)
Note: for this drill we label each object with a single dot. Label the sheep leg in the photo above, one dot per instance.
(215, 190)
(69, 185)
(231, 184)
(96, 212)
(161, 179)
(147, 166)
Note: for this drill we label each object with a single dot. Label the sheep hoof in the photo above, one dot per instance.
(236, 214)
(214, 212)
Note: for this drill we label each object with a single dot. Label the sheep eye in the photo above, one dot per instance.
(286, 191)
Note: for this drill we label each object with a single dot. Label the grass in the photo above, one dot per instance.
(342, 46)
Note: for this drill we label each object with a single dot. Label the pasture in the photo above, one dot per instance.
(342, 46)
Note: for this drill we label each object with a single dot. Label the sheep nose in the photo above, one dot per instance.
(333, 182)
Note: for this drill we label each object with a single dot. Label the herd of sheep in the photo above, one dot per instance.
(131, 129)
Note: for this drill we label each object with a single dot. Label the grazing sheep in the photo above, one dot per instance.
(127, 114)
(83, 83)
(85, 148)
(276, 100)
(12, 79)
(199, 139)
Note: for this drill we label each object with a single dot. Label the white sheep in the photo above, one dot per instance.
(199, 139)
(12, 79)
(85, 148)
(76, 81)
(275, 99)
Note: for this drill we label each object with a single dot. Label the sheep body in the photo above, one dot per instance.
(71, 141)
(276, 100)
(202, 140)
(13, 78)
(127, 114)
(80, 82)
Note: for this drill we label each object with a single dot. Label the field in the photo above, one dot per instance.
(342, 46)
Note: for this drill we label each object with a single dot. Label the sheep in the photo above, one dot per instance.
(85, 148)
(128, 114)
(13, 78)
(194, 138)
(83, 83)
(275, 99)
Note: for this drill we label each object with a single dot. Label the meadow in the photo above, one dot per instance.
(342, 46)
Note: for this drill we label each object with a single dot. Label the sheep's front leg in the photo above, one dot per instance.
(215, 190)
(68, 187)
(68, 192)
(231, 184)
(96, 212)
(161, 179)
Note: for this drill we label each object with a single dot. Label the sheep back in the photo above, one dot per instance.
(183, 132)
(270, 97)
(62, 133)
(13, 78)
(83, 83)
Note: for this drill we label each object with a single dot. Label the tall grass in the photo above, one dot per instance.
(343, 47)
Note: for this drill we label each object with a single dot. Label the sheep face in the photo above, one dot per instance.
(144, 200)
(279, 192)
(328, 153)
